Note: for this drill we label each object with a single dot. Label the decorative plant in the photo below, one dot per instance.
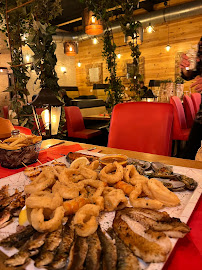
(32, 17)
(179, 80)
(131, 29)
(116, 89)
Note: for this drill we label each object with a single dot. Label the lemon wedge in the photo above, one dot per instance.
(81, 161)
(23, 220)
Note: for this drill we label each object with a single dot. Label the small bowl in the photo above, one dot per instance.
(121, 159)
(12, 159)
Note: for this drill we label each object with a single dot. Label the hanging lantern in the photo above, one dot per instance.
(70, 48)
(50, 113)
(137, 39)
(92, 25)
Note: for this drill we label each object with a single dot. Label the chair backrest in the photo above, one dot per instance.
(189, 110)
(142, 126)
(5, 111)
(179, 115)
(74, 119)
(196, 99)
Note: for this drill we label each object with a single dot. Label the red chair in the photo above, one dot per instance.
(5, 111)
(189, 110)
(143, 127)
(180, 130)
(75, 124)
(24, 130)
(196, 99)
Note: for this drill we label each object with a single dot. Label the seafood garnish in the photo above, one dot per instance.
(78, 253)
(61, 257)
(72, 156)
(125, 258)
(49, 249)
(109, 252)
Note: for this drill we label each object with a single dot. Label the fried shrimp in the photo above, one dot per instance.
(162, 194)
(69, 191)
(127, 188)
(94, 165)
(85, 220)
(112, 173)
(115, 199)
(39, 224)
(44, 199)
(72, 206)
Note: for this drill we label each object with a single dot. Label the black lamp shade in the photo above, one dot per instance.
(46, 97)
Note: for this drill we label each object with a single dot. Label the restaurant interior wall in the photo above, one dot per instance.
(159, 64)
(67, 78)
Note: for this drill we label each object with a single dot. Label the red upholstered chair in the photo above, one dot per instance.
(75, 124)
(24, 130)
(5, 111)
(180, 130)
(189, 110)
(196, 99)
(143, 127)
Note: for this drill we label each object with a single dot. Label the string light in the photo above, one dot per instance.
(95, 41)
(168, 47)
(150, 29)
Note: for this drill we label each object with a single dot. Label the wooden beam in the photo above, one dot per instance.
(25, 4)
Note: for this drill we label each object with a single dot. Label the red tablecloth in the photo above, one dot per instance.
(187, 254)
(44, 156)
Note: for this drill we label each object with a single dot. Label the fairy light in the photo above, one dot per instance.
(119, 56)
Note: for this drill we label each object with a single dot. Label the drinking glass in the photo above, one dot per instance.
(192, 55)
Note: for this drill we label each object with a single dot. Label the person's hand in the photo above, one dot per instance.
(184, 61)
(197, 84)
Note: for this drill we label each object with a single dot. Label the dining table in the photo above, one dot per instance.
(101, 117)
(187, 253)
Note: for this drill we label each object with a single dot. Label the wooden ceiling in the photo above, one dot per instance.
(71, 17)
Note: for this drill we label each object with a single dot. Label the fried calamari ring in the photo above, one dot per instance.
(46, 179)
(59, 166)
(87, 173)
(94, 165)
(146, 190)
(99, 201)
(136, 192)
(70, 175)
(144, 203)
(107, 175)
(69, 191)
(127, 188)
(129, 173)
(162, 194)
(85, 220)
(44, 199)
(114, 200)
(37, 220)
(99, 185)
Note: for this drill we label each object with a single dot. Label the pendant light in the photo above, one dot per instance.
(92, 25)
(168, 47)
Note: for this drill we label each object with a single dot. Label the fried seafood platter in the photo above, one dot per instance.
(85, 216)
